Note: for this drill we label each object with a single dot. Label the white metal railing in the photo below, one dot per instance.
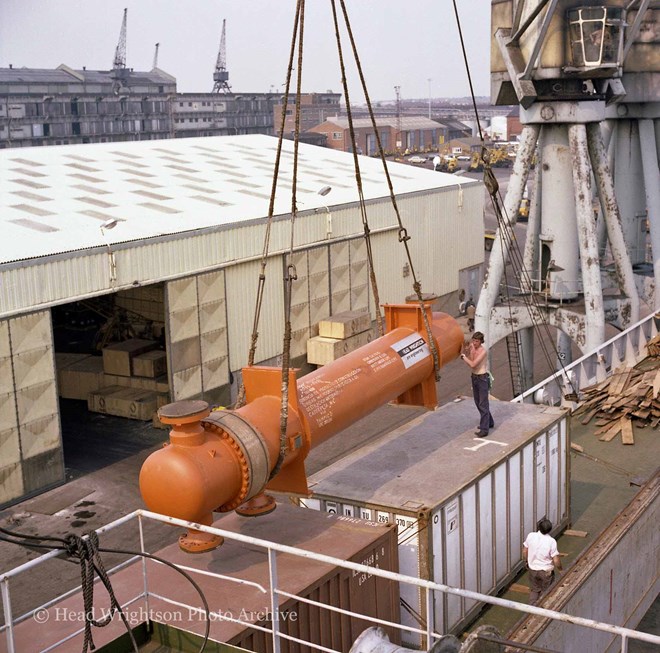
(274, 592)
(627, 347)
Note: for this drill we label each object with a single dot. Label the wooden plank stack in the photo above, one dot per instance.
(628, 395)
(653, 346)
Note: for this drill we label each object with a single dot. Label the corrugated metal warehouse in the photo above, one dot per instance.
(162, 241)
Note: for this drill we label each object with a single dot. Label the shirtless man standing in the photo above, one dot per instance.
(476, 357)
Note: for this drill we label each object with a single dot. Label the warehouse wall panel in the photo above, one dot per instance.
(197, 335)
(29, 409)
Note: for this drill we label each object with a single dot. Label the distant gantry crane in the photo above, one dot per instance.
(155, 63)
(119, 71)
(221, 75)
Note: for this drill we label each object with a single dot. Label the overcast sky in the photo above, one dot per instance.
(400, 42)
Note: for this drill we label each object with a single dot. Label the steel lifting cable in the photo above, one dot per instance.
(506, 229)
(358, 176)
(403, 234)
(290, 274)
(87, 551)
(240, 401)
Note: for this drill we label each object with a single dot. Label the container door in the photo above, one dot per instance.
(553, 474)
(501, 526)
(409, 564)
(197, 347)
(528, 492)
(439, 598)
(486, 573)
(541, 476)
(453, 566)
(563, 463)
(515, 510)
(471, 554)
(30, 434)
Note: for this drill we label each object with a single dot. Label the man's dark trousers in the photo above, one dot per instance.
(480, 384)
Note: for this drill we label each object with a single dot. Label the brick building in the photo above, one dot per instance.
(412, 133)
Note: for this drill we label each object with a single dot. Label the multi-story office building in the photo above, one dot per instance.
(56, 107)
(218, 114)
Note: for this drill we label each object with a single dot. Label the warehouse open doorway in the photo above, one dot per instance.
(111, 372)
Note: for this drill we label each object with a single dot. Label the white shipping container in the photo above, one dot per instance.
(463, 505)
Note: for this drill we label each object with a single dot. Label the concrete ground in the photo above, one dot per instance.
(103, 456)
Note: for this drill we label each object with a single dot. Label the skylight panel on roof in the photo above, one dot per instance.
(210, 200)
(197, 180)
(80, 166)
(136, 164)
(34, 225)
(182, 168)
(98, 215)
(34, 210)
(31, 196)
(139, 173)
(247, 184)
(252, 193)
(95, 202)
(142, 182)
(27, 162)
(29, 173)
(159, 207)
(201, 189)
(91, 189)
(30, 183)
(125, 155)
(153, 196)
(78, 175)
(77, 157)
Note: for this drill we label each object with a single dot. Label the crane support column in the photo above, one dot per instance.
(217, 461)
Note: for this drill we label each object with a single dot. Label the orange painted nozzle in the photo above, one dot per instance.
(230, 456)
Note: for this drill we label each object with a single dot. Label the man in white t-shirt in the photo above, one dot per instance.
(542, 558)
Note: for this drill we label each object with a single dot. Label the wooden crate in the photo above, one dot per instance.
(80, 378)
(344, 325)
(124, 402)
(97, 401)
(150, 364)
(117, 358)
(321, 351)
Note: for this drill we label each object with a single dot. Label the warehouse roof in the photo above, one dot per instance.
(55, 199)
(65, 75)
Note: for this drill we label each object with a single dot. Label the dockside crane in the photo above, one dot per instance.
(221, 75)
(119, 71)
(585, 79)
(155, 63)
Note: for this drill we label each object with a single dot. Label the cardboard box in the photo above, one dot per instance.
(321, 351)
(80, 378)
(150, 364)
(117, 358)
(344, 325)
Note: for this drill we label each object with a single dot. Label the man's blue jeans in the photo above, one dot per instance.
(480, 384)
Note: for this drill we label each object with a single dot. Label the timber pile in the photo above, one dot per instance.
(653, 346)
(629, 394)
